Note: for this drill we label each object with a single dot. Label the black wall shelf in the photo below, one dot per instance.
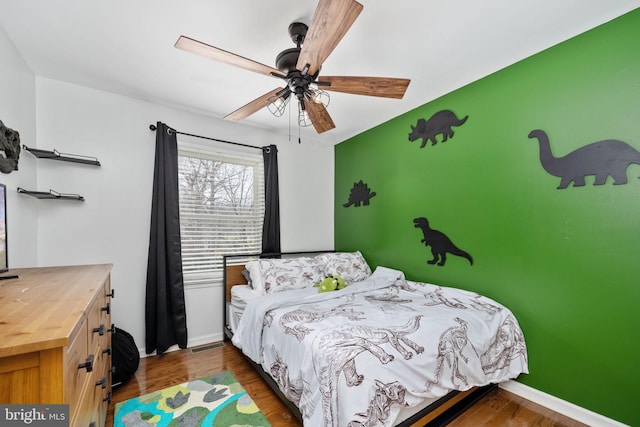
(55, 155)
(51, 194)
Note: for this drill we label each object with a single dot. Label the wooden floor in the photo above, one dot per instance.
(500, 408)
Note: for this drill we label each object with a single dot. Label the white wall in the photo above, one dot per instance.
(17, 111)
(112, 224)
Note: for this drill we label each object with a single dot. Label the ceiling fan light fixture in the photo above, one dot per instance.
(277, 104)
(318, 96)
(303, 116)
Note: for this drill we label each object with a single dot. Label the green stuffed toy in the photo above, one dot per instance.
(331, 283)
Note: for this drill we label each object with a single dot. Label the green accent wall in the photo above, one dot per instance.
(565, 261)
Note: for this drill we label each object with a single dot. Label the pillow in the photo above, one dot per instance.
(351, 266)
(247, 276)
(253, 267)
(277, 275)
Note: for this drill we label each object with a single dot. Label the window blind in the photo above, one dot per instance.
(221, 210)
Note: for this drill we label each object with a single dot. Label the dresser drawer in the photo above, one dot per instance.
(92, 403)
(105, 302)
(96, 328)
(101, 394)
(86, 408)
(102, 367)
(76, 376)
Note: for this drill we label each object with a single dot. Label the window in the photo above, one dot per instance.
(221, 210)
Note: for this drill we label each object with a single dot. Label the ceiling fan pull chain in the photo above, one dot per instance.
(289, 123)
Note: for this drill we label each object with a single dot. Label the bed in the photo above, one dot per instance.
(383, 351)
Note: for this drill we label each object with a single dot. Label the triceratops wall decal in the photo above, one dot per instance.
(10, 144)
(602, 158)
(440, 123)
(360, 194)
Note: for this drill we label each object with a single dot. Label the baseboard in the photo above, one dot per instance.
(561, 406)
(198, 341)
(204, 339)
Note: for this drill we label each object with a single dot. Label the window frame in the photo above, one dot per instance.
(239, 157)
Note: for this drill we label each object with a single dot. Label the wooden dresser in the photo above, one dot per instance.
(55, 340)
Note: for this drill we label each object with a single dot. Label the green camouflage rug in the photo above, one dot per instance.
(217, 400)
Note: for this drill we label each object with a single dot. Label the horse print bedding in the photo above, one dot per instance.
(367, 354)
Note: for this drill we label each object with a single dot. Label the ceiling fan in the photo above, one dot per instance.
(300, 67)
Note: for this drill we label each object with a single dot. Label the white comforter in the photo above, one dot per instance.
(359, 356)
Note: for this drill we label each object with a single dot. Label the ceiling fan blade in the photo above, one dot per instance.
(385, 87)
(255, 105)
(212, 52)
(319, 116)
(331, 21)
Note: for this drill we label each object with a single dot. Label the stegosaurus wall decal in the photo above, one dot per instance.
(360, 194)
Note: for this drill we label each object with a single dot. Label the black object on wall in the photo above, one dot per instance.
(271, 225)
(440, 123)
(602, 158)
(10, 144)
(165, 313)
(360, 194)
(439, 242)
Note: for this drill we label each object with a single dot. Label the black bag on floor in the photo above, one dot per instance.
(125, 357)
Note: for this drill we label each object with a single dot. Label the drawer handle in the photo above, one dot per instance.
(107, 350)
(102, 382)
(112, 294)
(107, 308)
(100, 330)
(112, 329)
(88, 364)
(108, 398)
(92, 424)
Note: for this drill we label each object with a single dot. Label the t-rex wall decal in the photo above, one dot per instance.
(439, 242)
(439, 123)
(602, 158)
(360, 194)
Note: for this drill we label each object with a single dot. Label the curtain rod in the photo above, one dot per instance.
(153, 127)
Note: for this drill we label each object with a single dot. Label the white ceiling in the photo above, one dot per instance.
(126, 47)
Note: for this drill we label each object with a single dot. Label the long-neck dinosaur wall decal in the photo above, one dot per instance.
(602, 158)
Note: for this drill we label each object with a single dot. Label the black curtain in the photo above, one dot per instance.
(165, 314)
(271, 226)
